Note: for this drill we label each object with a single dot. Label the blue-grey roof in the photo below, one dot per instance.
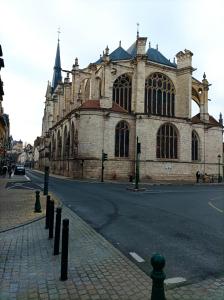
(57, 69)
(119, 54)
(153, 55)
(132, 50)
(156, 56)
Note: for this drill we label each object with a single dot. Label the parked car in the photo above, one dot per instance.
(19, 170)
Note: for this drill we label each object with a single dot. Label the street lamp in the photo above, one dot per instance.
(219, 177)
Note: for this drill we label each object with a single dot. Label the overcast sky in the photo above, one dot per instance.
(28, 35)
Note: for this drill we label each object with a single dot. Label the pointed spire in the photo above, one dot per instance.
(119, 43)
(57, 68)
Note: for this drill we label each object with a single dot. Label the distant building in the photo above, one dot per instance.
(17, 146)
(4, 121)
(125, 95)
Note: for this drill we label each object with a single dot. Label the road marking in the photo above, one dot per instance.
(212, 205)
(27, 178)
(136, 257)
(174, 280)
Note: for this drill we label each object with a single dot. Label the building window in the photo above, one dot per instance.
(122, 92)
(194, 146)
(167, 142)
(122, 139)
(53, 152)
(59, 144)
(159, 95)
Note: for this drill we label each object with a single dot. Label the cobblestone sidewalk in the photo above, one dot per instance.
(97, 270)
(17, 205)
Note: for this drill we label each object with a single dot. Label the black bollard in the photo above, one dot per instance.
(64, 250)
(51, 219)
(57, 231)
(46, 180)
(37, 208)
(158, 277)
(48, 199)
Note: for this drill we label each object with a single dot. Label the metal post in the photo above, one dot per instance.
(137, 167)
(51, 220)
(48, 199)
(102, 167)
(46, 180)
(37, 208)
(158, 277)
(219, 176)
(57, 231)
(64, 250)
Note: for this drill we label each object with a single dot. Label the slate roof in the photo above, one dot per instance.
(57, 69)
(156, 56)
(120, 54)
(153, 55)
(117, 54)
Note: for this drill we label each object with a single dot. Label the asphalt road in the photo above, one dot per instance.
(183, 223)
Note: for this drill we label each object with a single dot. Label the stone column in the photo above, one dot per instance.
(184, 84)
(140, 75)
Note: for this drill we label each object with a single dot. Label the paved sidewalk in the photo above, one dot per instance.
(17, 204)
(97, 270)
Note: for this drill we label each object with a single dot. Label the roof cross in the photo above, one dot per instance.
(58, 33)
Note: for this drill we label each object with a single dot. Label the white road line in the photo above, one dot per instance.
(136, 257)
(212, 205)
(174, 280)
(27, 178)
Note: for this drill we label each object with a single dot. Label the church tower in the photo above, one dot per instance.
(57, 69)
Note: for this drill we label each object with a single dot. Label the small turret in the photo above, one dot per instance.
(220, 119)
(184, 59)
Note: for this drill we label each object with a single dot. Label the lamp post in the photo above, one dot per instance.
(219, 177)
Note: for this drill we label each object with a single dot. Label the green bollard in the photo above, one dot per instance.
(37, 208)
(158, 277)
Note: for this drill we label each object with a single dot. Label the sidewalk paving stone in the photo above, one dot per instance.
(96, 269)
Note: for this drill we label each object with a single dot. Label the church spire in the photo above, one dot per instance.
(57, 68)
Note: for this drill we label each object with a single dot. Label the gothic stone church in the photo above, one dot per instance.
(124, 95)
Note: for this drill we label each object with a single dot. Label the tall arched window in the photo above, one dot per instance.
(72, 139)
(167, 142)
(159, 95)
(122, 139)
(194, 146)
(59, 144)
(53, 151)
(122, 91)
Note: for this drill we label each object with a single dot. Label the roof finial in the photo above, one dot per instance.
(119, 43)
(107, 50)
(137, 30)
(149, 44)
(204, 76)
(76, 61)
(157, 47)
(174, 60)
(59, 34)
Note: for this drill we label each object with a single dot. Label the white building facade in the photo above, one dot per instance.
(124, 95)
